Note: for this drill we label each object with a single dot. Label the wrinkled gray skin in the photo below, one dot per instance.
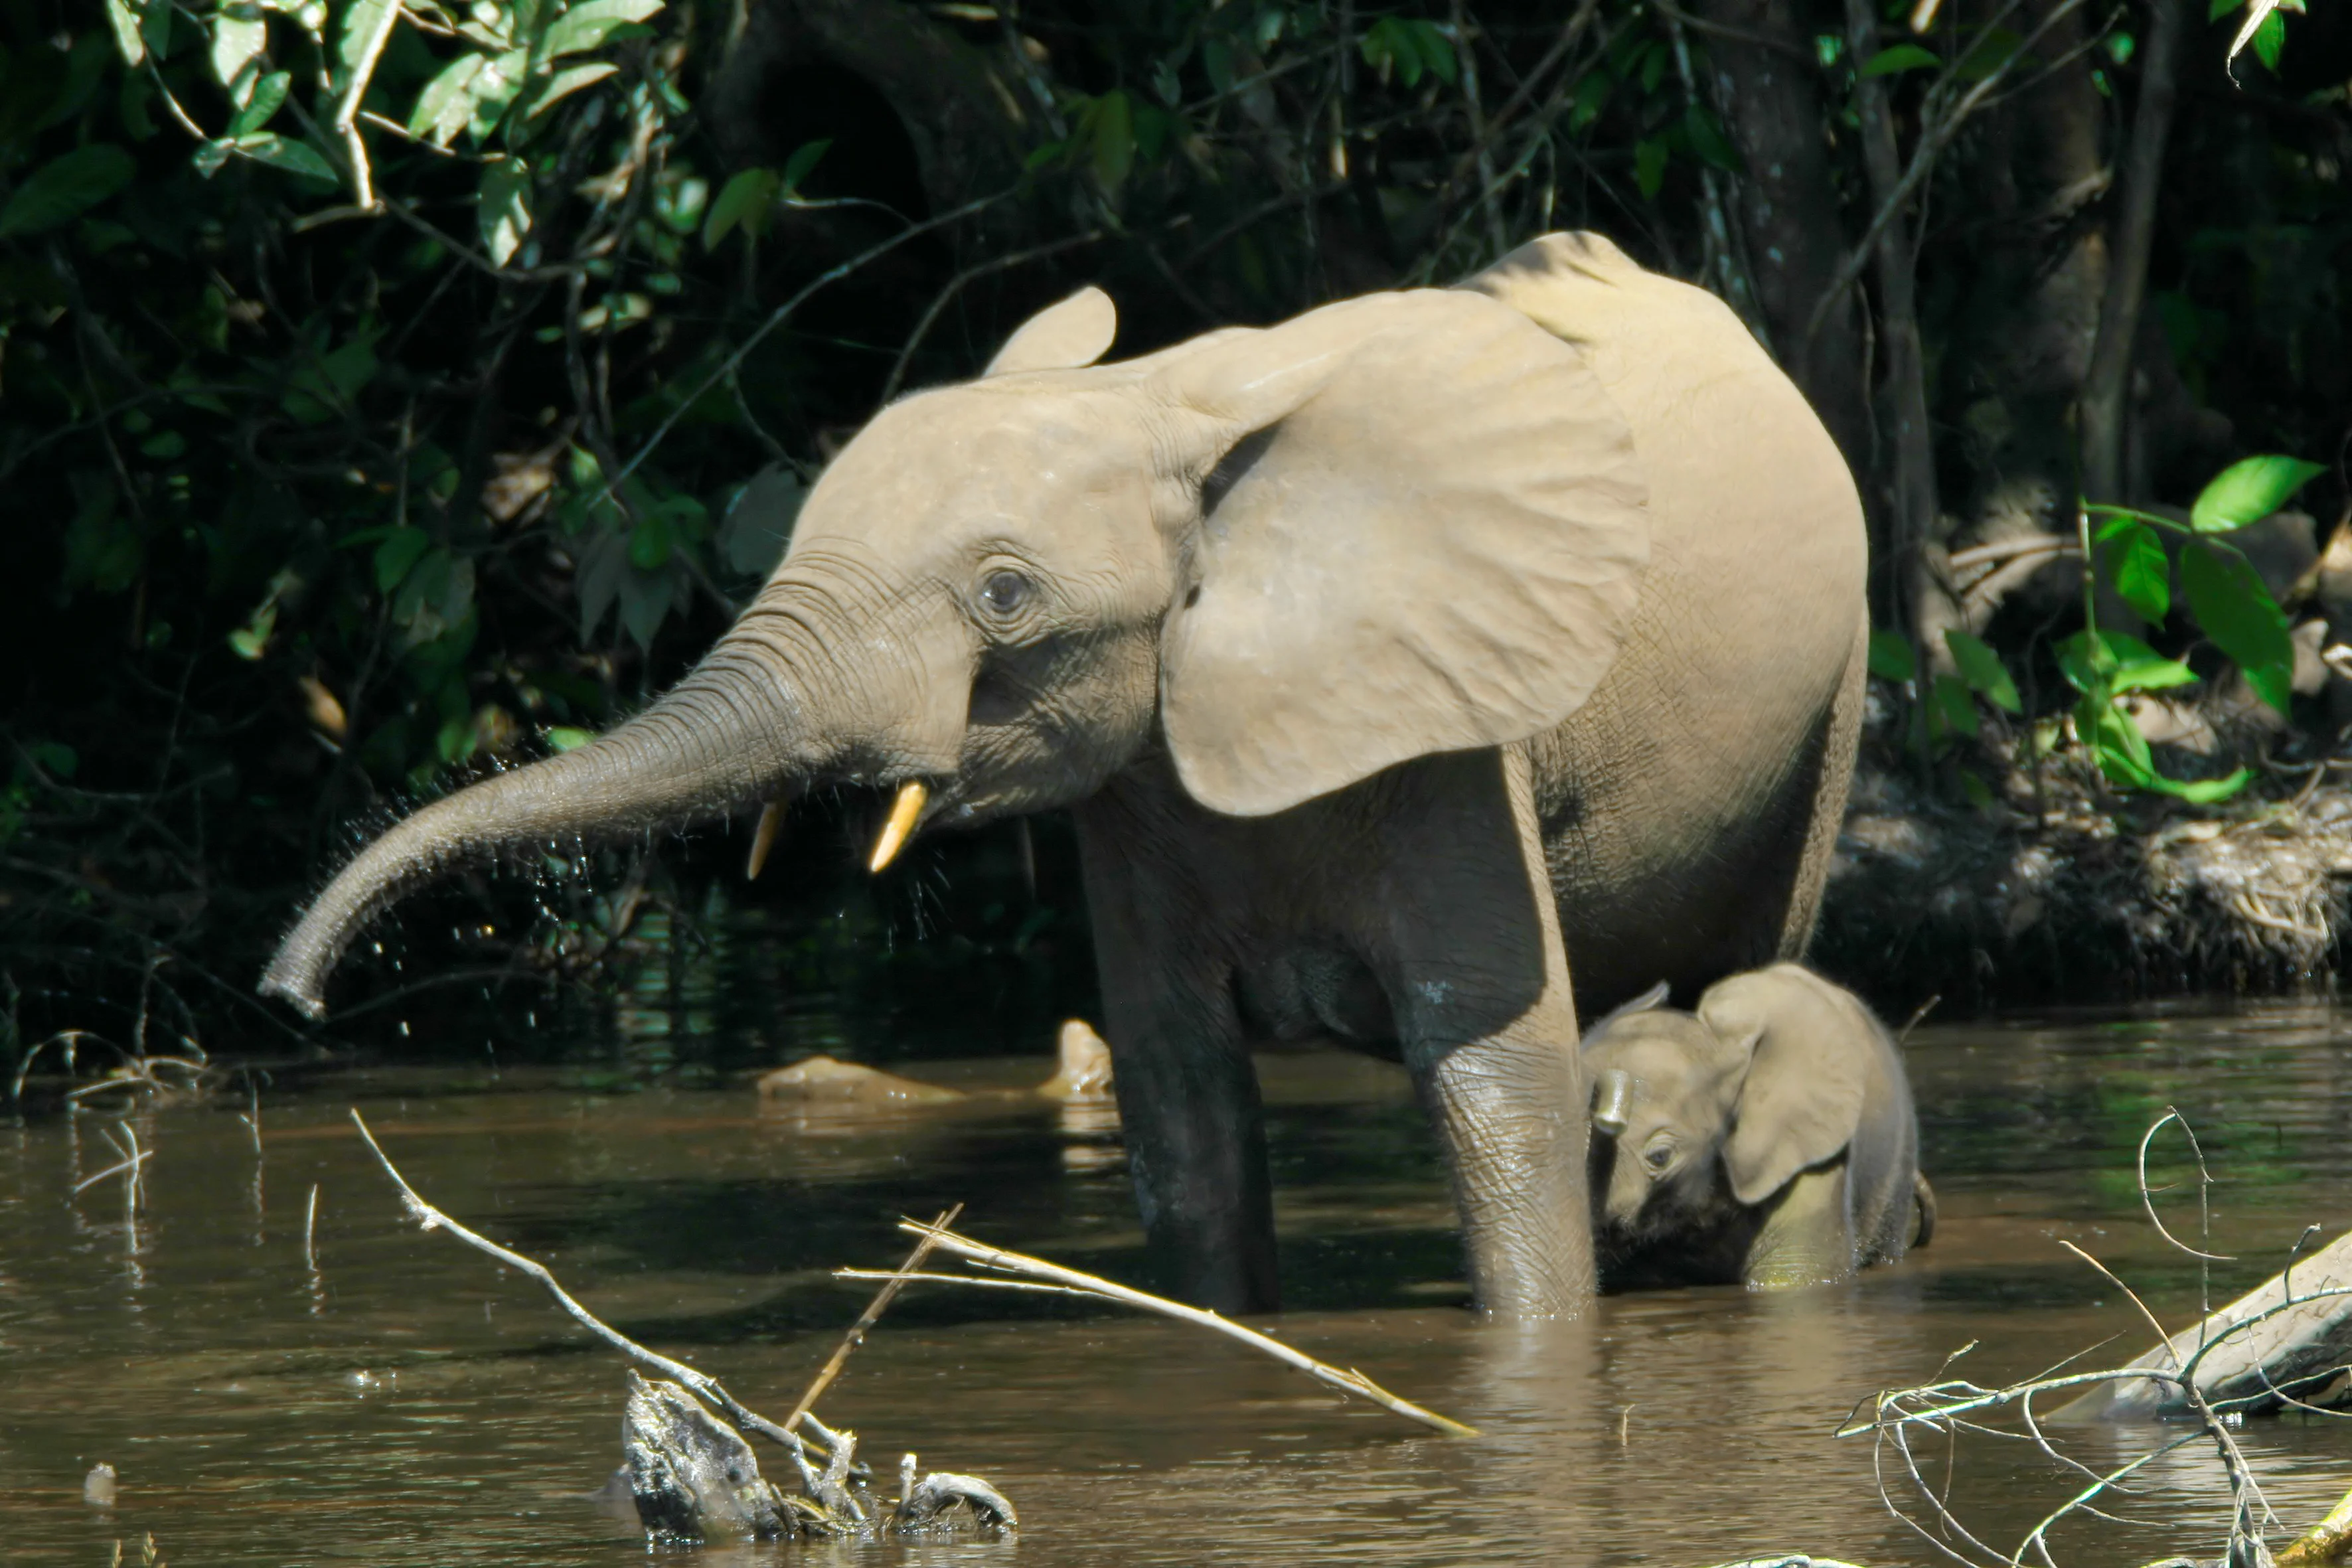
(1769, 1138)
(1394, 659)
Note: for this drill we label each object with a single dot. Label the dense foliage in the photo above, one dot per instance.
(393, 388)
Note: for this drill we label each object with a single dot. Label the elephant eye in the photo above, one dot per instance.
(1005, 591)
(1658, 1156)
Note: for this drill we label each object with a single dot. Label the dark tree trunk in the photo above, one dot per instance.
(1765, 87)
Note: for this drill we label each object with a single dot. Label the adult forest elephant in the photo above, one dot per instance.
(1395, 659)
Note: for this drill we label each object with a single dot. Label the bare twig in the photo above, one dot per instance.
(866, 1319)
(706, 1387)
(1071, 1280)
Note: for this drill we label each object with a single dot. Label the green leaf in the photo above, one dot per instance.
(505, 209)
(1111, 140)
(447, 103)
(564, 738)
(1649, 166)
(64, 188)
(1983, 669)
(1890, 657)
(650, 544)
(285, 152)
(1592, 98)
(268, 93)
(2141, 571)
(2270, 41)
(55, 756)
(2232, 606)
(2249, 490)
(399, 553)
(1992, 51)
(2115, 740)
(566, 82)
(1707, 139)
(587, 26)
(2218, 9)
(2199, 791)
(745, 201)
(125, 23)
(1900, 57)
(803, 162)
(1953, 705)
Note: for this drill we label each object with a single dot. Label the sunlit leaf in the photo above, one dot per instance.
(240, 34)
(2142, 572)
(491, 92)
(447, 103)
(1900, 57)
(566, 82)
(125, 24)
(587, 26)
(505, 210)
(66, 187)
(1890, 657)
(1983, 669)
(2249, 490)
(564, 738)
(360, 25)
(2236, 611)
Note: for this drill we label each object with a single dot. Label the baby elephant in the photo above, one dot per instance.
(1769, 1138)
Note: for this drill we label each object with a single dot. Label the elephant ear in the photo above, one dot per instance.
(1076, 332)
(1801, 1102)
(1422, 527)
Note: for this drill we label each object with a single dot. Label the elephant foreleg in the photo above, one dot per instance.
(1188, 1092)
(1479, 984)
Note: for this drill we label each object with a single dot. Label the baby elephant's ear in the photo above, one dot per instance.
(1808, 1069)
(1076, 332)
(1422, 527)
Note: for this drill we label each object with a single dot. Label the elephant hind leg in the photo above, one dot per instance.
(1833, 778)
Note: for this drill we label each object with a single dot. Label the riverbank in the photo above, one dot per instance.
(2047, 893)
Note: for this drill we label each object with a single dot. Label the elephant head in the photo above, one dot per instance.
(1701, 1110)
(1003, 593)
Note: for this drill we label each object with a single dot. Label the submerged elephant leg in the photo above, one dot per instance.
(1471, 953)
(1188, 1093)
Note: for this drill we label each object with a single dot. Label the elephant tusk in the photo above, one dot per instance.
(903, 812)
(1612, 1101)
(763, 838)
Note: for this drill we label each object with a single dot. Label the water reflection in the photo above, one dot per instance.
(278, 1380)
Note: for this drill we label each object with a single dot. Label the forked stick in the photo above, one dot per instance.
(709, 1387)
(1070, 1280)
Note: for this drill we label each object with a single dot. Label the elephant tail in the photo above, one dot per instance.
(1923, 1202)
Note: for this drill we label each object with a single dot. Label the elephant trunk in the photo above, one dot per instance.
(732, 734)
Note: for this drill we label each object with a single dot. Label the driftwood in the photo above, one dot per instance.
(692, 1474)
(2286, 1341)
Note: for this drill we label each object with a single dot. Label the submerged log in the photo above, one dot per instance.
(2293, 1347)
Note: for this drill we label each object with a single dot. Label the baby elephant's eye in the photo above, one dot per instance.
(1658, 1156)
(1005, 592)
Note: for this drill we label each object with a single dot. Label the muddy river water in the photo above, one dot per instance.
(391, 1398)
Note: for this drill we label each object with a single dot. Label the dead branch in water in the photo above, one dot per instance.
(704, 1386)
(2284, 1344)
(1059, 1280)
